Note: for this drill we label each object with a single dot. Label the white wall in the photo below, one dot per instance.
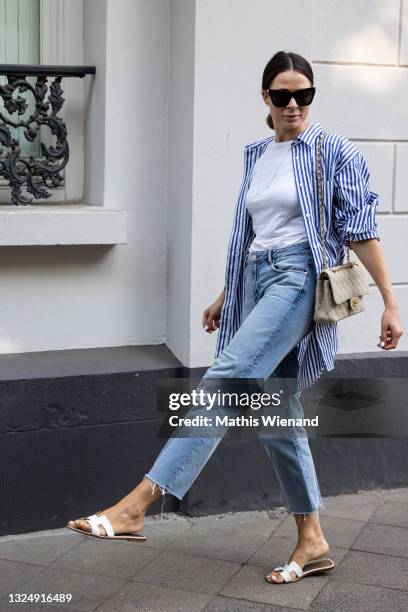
(175, 98)
(76, 296)
(95, 52)
(135, 167)
(234, 41)
(181, 155)
(359, 53)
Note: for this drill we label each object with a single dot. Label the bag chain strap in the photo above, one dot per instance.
(320, 193)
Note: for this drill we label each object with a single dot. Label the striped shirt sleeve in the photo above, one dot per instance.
(355, 205)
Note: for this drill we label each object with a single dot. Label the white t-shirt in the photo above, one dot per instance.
(273, 202)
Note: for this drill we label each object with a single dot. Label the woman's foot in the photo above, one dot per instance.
(311, 544)
(127, 516)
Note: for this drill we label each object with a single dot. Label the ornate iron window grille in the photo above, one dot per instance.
(34, 174)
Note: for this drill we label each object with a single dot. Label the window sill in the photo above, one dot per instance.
(61, 225)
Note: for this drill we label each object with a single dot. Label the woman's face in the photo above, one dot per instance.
(292, 116)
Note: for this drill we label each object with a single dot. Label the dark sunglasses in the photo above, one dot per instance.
(281, 98)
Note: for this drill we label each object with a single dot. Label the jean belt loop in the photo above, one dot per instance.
(270, 256)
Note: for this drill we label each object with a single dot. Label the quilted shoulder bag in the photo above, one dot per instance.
(340, 289)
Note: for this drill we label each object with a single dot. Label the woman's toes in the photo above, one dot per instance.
(274, 577)
(84, 525)
(80, 524)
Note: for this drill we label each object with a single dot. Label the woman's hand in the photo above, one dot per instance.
(391, 328)
(370, 254)
(212, 314)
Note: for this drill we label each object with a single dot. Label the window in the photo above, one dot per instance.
(48, 32)
(20, 44)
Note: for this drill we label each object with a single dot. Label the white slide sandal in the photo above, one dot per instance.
(313, 567)
(101, 519)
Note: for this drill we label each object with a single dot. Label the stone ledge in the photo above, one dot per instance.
(61, 224)
(88, 361)
(72, 419)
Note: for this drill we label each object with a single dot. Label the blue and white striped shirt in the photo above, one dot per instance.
(350, 209)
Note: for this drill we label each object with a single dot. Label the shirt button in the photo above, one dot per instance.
(307, 214)
(300, 184)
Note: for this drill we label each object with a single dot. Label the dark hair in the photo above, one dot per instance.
(280, 62)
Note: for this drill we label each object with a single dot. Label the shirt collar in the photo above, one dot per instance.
(308, 136)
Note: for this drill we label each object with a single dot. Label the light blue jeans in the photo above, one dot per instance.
(278, 308)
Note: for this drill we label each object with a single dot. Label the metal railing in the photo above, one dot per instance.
(34, 175)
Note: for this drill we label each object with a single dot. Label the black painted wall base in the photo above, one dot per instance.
(78, 430)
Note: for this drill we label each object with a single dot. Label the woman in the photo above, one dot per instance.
(265, 312)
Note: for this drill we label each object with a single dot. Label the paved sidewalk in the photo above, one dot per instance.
(217, 563)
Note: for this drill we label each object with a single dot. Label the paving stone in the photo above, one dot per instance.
(168, 522)
(226, 604)
(338, 532)
(160, 531)
(359, 506)
(187, 572)
(140, 597)
(338, 596)
(232, 541)
(250, 584)
(38, 548)
(392, 513)
(107, 558)
(12, 575)
(374, 569)
(38, 608)
(218, 562)
(44, 533)
(156, 538)
(400, 494)
(88, 590)
(383, 538)
(276, 551)
(237, 518)
(260, 523)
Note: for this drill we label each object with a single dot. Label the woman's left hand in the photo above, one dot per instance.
(391, 328)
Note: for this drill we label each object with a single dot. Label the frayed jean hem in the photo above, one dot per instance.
(163, 491)
(321, 506)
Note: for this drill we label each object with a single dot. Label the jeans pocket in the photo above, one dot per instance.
(296, 262)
